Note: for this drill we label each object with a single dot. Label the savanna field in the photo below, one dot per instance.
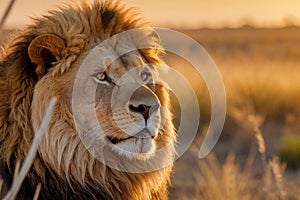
(258, 153)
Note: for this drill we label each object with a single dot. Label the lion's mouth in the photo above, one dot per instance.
(114, 140)
(118, 140)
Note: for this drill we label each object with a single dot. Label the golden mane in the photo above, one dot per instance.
(75, 24)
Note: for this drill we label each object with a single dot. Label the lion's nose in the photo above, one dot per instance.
(142, 109)
(144, 102)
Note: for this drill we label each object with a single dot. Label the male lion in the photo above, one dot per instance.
(133, 123)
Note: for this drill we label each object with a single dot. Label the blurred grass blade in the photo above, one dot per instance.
(7, 11)
(31, 154)
(1, 182)
(37, 191)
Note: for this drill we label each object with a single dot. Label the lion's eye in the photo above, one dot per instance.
(101, 77)
(146, 76)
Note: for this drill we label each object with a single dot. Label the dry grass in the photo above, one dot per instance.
(260, 69)
(224, 181)
(216, 180)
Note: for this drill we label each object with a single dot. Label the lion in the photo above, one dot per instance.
(43, 61)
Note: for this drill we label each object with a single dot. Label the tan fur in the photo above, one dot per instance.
(63, 165)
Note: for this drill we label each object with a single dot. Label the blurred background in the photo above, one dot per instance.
(256, 46)
(188, 14)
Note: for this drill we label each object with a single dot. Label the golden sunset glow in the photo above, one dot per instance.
(225, 72)
(188, 13)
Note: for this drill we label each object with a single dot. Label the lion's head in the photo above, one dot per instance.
(111, 133)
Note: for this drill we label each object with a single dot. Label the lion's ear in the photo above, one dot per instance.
(44, 50)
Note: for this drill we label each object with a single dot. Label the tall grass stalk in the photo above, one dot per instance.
(278, 176)
(37, 191)
(1, 183)
(273, 172)
(17, 170)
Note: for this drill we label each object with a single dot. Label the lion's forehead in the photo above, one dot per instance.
(120, 53)
(128, 64)
(116, 58)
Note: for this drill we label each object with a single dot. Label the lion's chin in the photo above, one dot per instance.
(136, 148)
